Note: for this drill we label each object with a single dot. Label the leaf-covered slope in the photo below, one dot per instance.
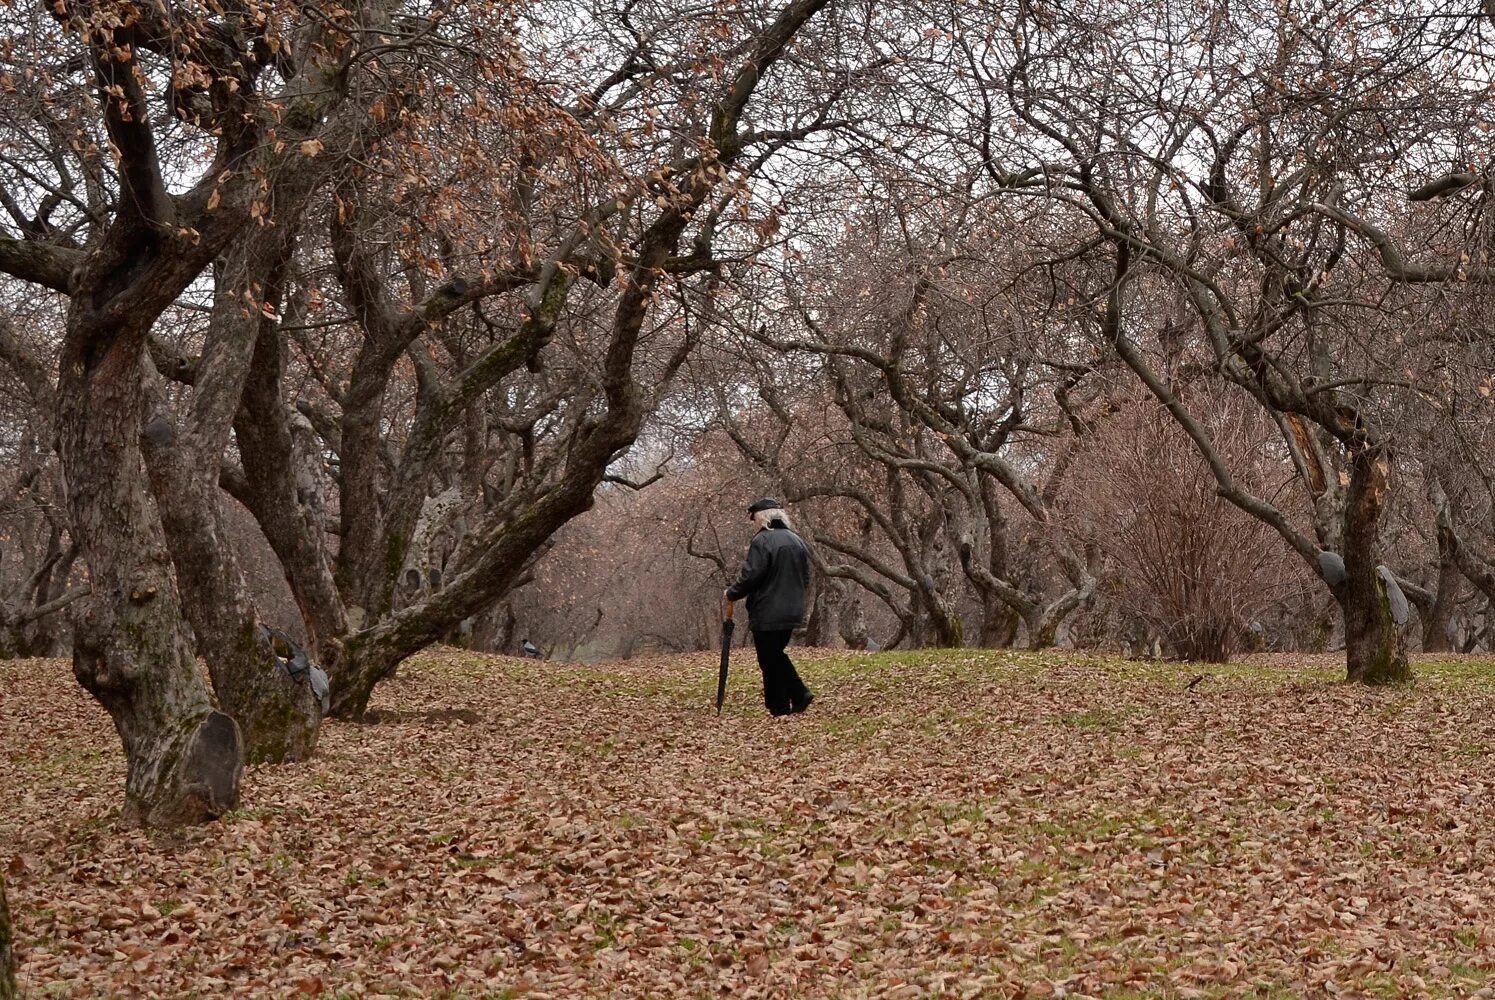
(985, 824)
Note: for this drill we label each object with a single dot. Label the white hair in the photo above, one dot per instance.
(764, 518)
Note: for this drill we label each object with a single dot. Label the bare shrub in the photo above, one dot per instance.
(1198, 571)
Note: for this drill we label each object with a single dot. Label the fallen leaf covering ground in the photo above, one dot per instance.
(957, 823)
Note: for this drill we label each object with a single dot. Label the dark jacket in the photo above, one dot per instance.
(774, 579)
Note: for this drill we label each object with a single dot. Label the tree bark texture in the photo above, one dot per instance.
(1375, 646)
(999, 623)
(131, 648)
(278, 716)
(1437, 628)
(287, 505)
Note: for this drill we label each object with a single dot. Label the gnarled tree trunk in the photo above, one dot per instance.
(853, 625)
(132, 650)
(289, 512)
(999, 623)
(1375, 647)
(1043, 630)
(279, 716)
(948, 630)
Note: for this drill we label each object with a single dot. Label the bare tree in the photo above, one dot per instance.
(37, 554)
(596, 281)
(1229, 216)
(124, 241)
(968, 423)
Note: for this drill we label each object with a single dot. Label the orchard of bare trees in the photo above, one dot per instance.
(333, 331)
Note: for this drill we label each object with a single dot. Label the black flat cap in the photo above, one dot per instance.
(767, 503)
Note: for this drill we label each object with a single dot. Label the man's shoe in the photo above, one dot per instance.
(800, 706)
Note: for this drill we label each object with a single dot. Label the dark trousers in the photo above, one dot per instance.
(783, 691)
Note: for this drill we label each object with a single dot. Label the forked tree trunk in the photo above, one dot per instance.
(999, 623)
(935, 616)
(362, 667)
(1043, 631)
(371, 656)
(1004, 605)
(937, 558)
(1042, 625)
(7, 949)
(290, 514)
(379, 511)
(132, 650)
(279, 716)
(1375, 646)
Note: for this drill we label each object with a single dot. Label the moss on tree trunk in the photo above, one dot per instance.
(1375, 647)
(1042, 633)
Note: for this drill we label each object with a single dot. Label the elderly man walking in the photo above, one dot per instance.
(775, 578)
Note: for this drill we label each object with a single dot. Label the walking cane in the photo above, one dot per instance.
(721, 676)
